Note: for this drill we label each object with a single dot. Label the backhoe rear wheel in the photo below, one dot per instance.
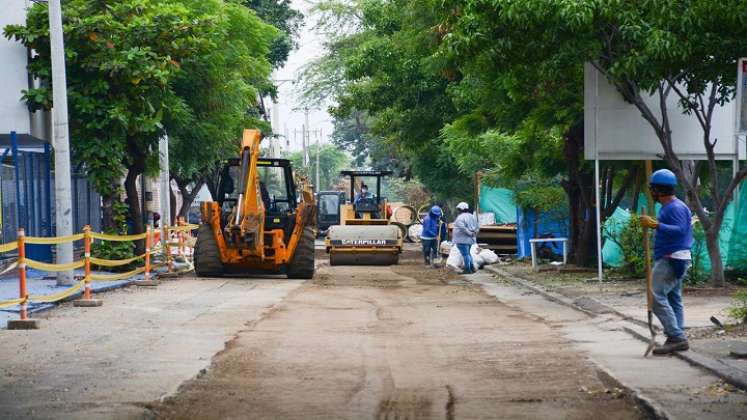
(207, 255)
(302, 263)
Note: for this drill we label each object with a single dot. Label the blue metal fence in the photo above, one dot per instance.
(27, 194)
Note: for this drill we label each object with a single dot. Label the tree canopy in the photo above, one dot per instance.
(137, 68)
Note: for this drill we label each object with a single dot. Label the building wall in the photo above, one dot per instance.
(14, 115)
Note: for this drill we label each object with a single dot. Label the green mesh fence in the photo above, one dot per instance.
(733, 237)
(499, 201)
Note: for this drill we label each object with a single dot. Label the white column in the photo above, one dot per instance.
(61, 143)
(164, 181)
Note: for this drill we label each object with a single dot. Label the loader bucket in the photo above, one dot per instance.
(364, 244)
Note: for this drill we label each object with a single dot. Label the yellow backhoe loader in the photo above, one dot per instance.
(261, 222)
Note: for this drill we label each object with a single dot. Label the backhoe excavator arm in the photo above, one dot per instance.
(247, 221)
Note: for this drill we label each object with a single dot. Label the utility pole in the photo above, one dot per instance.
(62, 191)
(318, 135)
(306, 130)
(165, 182)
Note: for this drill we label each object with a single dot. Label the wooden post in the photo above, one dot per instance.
(87, 300)
(24, 323)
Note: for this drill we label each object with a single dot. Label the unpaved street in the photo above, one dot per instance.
(397, 343)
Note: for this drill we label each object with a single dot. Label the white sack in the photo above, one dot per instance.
(474, 251)
(455, 260)
(489, 256)
(445, 248)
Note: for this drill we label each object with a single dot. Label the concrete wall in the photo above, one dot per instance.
(14, 115)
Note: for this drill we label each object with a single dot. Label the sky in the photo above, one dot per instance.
(288, 119)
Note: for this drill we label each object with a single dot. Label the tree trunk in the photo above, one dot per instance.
(172, 205)
(586, 250)
(188, 197)
(714, 253)
(134, 211)
(107, 212)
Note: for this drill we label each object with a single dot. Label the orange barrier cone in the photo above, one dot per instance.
(87, 301)
(24, 323)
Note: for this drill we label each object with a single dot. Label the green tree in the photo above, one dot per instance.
(140, 69)
(219, 89)
(121, 60)
(286, 19)
(682, 48)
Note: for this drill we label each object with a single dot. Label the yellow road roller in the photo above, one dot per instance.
(364, 235)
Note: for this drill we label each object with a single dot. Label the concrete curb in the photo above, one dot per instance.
(709, 364)
(553, 297)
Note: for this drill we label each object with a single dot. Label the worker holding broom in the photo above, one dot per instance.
(434, 232)
(672, 242)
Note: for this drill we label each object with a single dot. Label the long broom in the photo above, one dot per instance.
(649, 289)
(647, 256)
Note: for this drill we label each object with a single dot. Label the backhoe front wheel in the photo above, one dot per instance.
(302, 263)
(207, 255)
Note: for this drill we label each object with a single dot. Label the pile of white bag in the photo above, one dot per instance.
(480, 256)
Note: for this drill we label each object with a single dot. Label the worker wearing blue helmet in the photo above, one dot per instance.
(672, 242)
(434, 232)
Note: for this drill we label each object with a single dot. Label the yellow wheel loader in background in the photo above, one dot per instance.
(260, 223)
(364, 235)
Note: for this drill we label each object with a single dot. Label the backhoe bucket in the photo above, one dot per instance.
(364, 245)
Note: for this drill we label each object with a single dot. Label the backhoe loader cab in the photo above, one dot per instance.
(261, 221)
(364, 235)
(328, 207)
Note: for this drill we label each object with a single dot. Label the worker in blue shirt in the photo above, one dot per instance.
(434, 232)
(672, 258)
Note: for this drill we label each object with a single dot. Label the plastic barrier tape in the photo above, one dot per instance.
(53, 240)
(57, 296)
(112, 277)
(54, 267)
(118, 238)
(9, 268)
(115, 263)
(9, 303)
(185, 228)
(12, 246)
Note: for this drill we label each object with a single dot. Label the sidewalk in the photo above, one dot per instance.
(44, 283)
(140, 346)
(712, 348)
(665, 387)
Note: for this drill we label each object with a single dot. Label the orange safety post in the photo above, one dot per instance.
(88, 301)
(23, 291)
(87, 256)
(147, 252)
(181, 237)
(24, 323)
(147, 281)
(167, 247)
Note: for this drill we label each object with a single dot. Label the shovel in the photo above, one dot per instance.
(649, 289)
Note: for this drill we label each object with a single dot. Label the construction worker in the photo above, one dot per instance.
(672, 242)
(434, 232)
(465, 235)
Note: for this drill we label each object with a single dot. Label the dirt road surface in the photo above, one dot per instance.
(397, 343)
